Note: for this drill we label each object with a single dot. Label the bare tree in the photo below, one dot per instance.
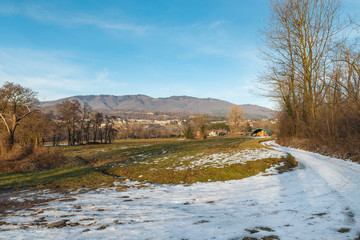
(97, 120)
(85, 124)
(234, 118)
(70, 114)
(201, 123)
(298, 47)
(16, 103)
(33, 131)
(314, 74)
(350, 58)
(188, 131)
(109, 131)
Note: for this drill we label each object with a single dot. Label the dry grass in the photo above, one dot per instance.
(62, 179)
(342, 150)
(25, 159)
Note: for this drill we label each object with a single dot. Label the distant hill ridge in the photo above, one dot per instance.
(181, 104)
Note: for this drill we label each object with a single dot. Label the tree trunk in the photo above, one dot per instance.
(11, 140)
(95, 132)
(69, 137)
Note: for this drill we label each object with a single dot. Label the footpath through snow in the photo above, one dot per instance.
(315, 201)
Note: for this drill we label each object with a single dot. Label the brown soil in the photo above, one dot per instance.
(8, 205)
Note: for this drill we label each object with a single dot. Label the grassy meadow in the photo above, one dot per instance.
(154, 160)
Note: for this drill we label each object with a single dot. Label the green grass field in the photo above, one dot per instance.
(157, 161)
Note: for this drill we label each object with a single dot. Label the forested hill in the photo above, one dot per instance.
(181, 104)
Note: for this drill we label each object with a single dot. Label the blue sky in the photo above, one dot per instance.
(160, 48)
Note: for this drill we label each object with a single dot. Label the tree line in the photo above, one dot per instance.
(313, 72)
(82, 125)
(22, 121)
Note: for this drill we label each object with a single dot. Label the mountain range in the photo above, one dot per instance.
(174, 104)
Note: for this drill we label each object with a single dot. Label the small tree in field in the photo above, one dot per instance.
(16, 103)
(201, 124)
(188, 131)
(234, 118)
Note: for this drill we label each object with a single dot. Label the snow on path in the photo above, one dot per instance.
(314, 201)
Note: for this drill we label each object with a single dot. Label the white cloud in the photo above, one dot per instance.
(70, 19)
(216, 23)
(53, 74)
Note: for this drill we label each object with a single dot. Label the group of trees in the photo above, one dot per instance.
(82, 125)
(196, 126)
(21, 121)
(313, 71)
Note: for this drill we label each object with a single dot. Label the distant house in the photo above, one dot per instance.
(261, 132)
(212, 134)
(220, 132)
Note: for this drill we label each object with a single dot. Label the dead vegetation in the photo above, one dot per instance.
(345, 149)
(26, 159)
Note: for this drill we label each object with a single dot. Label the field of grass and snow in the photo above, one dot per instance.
(201, 161)
(152, 160)
(222, 159)
(318, 200)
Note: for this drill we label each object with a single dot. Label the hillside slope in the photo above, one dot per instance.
(183, 104)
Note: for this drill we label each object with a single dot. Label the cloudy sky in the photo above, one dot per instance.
(160, 48)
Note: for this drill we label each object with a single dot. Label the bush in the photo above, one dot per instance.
(188, 132)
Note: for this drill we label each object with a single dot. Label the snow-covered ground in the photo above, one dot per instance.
(220, 160)
(314, 201)
(216, 160)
